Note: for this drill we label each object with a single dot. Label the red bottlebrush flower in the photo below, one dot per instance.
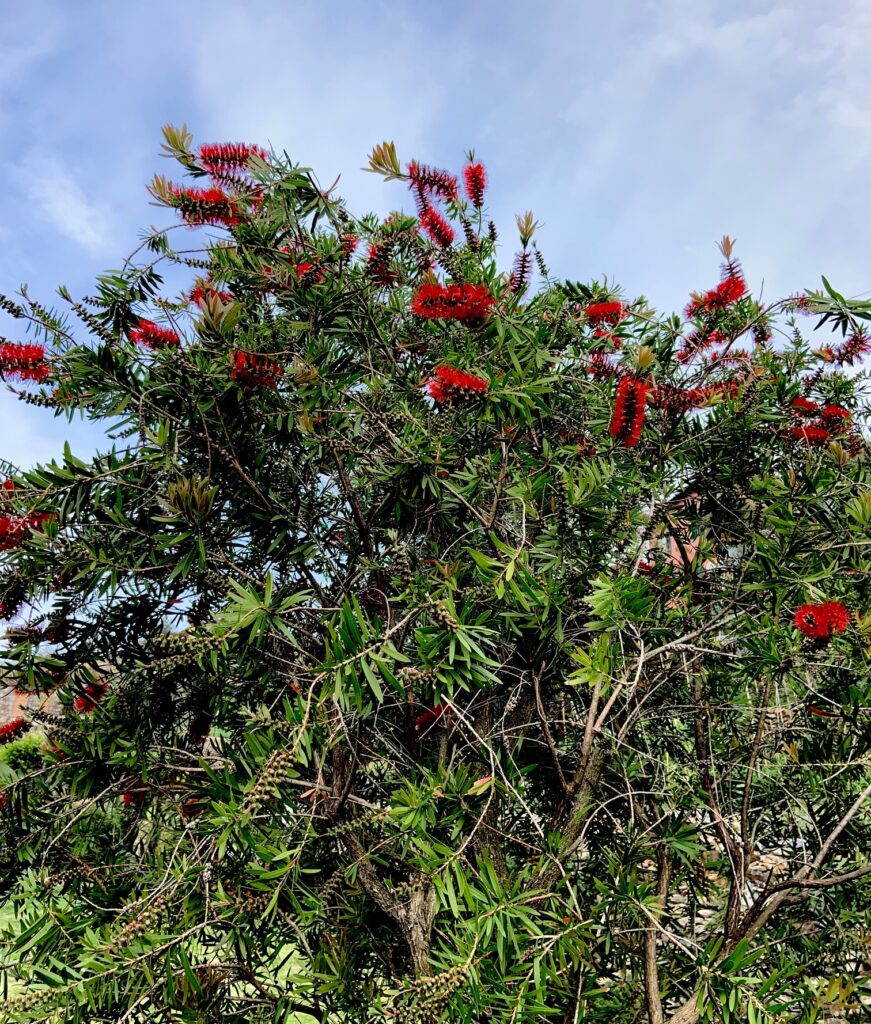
(819, 711)
(23, 362)
(12, 729)
(449, 383)
(438, 229)
(724, 295)
(605, 313)
(87, 701)
(309, 273)
(252, 369)
(629, 408)
(519, 278)
(378, 263)
(821, 621)
(835, 417)
(221, 158)
(464, 302)
(199, 206)
(602, 368)
(432, 181)
(153, 336)
(429, 717)
(7, 610)
(475, 180)
(814, 435)
(847, 352)
(349, 245)
(804, 406)
(8, 485)
(13, 530)
(202, 291)
(675, 400)
(698, 341)
(133, 798)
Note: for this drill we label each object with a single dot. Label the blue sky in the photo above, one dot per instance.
(638, 132)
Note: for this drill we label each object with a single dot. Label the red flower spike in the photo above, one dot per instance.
(804, 406)
(465, 302)
(724, 295)
(202, 291)
(449, 384)
(309, 273)
(821, 621)
(629, 409)
(199, 206)
(475, 180)
(813, 435)
(697, 342)
(251, 369)
(349, 244)
(13, 729)
(153, 336)
(675, 400)
(438, 229)
(432, 181)
(221, 158)
(23, 362)
(13, 530)
(378, 263)
(611, 313)
(848, 352)
(835, 417)
(519, 278)
(429, 717)
(86, 702)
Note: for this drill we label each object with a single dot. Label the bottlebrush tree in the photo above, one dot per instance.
(433, 641)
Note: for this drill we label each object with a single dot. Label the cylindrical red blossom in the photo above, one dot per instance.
(226, 157)
(23, 362)
(602, 368)
(432, 181)
(88, 700)
(203, 291)
(675, 400)
(845, 354)
(448, 384)
(251, 369)
(438, 229)
(153, 336)
(378, 263)
(309, 273)
(519, 278)
(13, 728)
(821, 621)
(465, 302)
(475, 179)
(835, 417)
(199, 206)
(724, 295)
(611, 313)
(629, 409)
(812, 434)
(804, 406)
(349, 244)
(13, 529)
(697, 342)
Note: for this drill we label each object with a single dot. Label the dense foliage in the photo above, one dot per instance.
(429, 646)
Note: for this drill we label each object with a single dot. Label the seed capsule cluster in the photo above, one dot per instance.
(278, 764)
(427, 998)
(139, 925)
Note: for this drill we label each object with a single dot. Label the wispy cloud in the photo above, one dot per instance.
(53, 194)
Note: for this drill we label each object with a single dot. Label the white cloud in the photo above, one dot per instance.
(54, 194)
